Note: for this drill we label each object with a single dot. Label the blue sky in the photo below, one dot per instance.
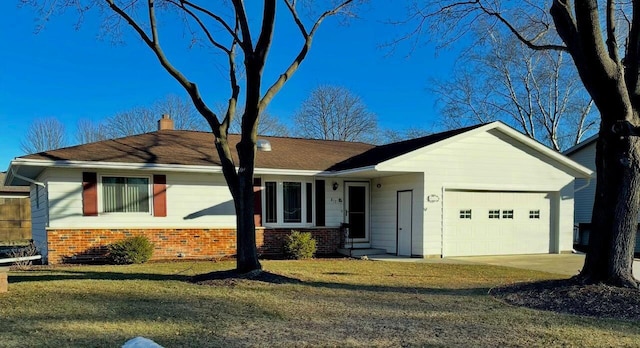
(73, 74)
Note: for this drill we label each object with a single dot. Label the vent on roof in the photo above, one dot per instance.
(263, 145)
(165, 123)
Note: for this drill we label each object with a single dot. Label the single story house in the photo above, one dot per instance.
(585, 154)
(480, 190)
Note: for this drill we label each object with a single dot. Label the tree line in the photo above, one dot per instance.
(329, 113)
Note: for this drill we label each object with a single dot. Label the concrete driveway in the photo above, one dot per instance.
(567, 264)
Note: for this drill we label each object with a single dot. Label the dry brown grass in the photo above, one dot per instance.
(338, 303)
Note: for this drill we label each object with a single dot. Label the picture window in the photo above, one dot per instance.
(125, 194)
(288, 202)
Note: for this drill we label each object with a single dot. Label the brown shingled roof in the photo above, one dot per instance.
(197, 148)
(11, 189)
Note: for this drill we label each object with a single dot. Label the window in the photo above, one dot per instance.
(292, 201)
(494, 214)
(125, 194)
(288, 202)
(465, 213)
(507, 214)
(534, 214)
(271, 197)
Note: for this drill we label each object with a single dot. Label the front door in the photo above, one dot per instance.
(404, 216)
(357, 212)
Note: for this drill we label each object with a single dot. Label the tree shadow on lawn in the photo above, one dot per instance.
(61, 274)
(233, 278)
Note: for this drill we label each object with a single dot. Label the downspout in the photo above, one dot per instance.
(44, 186)
(583, 186)
(574, 251)
(29, 180)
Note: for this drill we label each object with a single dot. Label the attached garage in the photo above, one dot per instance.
(483, 190)
(498, 223)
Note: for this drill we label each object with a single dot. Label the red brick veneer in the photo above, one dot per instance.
(327, 239)
(81, 245)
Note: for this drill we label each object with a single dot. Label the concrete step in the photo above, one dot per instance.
(361, 252)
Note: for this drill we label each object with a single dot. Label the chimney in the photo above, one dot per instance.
(165, 123)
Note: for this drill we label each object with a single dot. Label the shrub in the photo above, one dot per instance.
(300, 245)
(136, 249)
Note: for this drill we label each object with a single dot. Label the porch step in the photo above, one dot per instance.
(361, 252)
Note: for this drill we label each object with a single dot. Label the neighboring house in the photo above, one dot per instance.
(585, 154)
(15, 214)
(481, 190)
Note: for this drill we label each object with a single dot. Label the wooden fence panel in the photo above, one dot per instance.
(15, 220)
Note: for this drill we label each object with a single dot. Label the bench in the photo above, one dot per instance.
(4, 278)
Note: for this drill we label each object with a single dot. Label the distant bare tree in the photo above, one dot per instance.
(537, 92)
(88, 131)
(334, 113)
(395, 135)
(43, 135)
(137, 120)
(182, 112)
(142, 119)
(269, 125)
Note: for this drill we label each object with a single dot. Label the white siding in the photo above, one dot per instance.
(484, 161)
(384, 209)
(193, 200)
(334, 202)
(39, 217)
(585, 196)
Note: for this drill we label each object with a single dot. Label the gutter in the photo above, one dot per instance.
(29, 180)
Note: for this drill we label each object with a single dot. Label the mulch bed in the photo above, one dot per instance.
(569, 296)
(232, 278)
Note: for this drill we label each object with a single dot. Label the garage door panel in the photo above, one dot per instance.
(522, 226)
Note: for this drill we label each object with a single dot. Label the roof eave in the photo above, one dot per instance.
(150, 166)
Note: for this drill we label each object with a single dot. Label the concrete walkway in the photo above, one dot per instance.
(567, 264)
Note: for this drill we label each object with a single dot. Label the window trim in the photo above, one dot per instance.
(508, 214)
(534, 214)
(101, 194)
(280, 180)
(465, 214)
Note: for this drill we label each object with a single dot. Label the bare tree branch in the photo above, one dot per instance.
(43, 135)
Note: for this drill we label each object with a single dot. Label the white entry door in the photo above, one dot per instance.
(404, 225)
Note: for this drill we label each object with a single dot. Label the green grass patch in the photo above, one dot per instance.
(339, 303)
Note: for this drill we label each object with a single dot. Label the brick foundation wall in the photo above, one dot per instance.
(83, 245)
(79, 245)
(327, 240)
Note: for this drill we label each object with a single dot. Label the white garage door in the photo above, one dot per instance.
(496, 223)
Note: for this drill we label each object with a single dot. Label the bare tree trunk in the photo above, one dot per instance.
(247, 252)
(615, 211)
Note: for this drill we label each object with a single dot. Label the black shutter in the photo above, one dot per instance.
(320, 203)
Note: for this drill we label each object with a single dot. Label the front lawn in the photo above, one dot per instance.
(338, 303)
